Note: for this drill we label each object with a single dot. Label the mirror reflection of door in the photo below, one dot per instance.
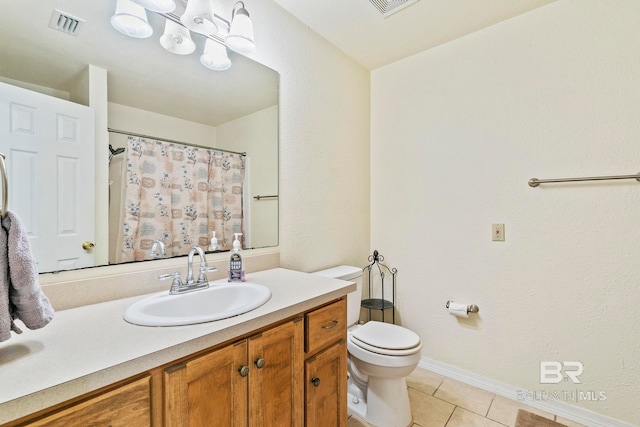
(49, 146)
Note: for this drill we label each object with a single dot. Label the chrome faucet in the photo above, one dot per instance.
(189, 285)
(157, 244)
(203, 265)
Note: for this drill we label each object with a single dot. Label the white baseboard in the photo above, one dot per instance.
(556, 407)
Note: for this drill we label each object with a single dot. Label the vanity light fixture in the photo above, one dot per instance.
(177, 39)
(240, 37)
(131, 20)
(197, 16)
(158, 6)
(215, 56)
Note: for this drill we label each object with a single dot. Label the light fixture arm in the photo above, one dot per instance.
(238, 8)
(215, 37)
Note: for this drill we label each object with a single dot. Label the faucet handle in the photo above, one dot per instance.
(204, 269)
(177, 282)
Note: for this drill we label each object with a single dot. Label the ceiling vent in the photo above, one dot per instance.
(389, 7)
(66, 23)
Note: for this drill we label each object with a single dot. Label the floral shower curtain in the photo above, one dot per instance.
(179, 194)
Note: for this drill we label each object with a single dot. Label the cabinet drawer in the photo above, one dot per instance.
(325, 326)
(126, 406)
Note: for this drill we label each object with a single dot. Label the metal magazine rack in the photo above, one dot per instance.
(386, 301)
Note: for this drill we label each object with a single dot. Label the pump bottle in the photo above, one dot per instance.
(213, 245)
(236, 263)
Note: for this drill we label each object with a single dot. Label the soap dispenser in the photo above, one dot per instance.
(236, 266)
(213, 245)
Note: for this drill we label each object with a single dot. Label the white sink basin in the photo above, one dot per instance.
(219, 301)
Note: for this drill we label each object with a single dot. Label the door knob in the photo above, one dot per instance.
(87, 246)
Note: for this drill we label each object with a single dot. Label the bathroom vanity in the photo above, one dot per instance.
(283, 363)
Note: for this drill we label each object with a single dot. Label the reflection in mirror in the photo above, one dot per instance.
(177, 196)
(140, 92)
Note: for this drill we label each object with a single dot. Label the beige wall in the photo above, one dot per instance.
(457, 131)
(324, 143)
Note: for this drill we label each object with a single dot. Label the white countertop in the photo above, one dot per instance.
(89, 347)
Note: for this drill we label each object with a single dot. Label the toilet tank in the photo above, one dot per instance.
(351, 274)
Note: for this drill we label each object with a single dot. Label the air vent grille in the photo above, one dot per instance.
(65, 22)
(389, 7)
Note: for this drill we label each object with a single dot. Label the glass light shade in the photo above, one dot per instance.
(240, 37)
(215, 56)
(198, 17)
(177, 39)
(131, 20)
(160, 6)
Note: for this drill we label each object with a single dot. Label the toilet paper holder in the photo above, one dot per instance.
(471, 308)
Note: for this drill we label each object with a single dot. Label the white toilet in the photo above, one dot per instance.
(381, 355)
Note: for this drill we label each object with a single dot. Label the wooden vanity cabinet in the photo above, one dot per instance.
(326, 366)
(292, 374)
(128, 405)
(255, 382)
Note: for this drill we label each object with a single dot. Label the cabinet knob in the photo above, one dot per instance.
(259, 362)
(315, 381)
(244, 370)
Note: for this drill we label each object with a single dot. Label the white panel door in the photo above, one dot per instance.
(49, 146)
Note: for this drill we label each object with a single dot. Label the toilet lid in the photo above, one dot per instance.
(386, 338)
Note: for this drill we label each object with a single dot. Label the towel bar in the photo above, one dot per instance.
(534, 182)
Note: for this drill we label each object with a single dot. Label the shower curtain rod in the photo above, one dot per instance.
(139, 135)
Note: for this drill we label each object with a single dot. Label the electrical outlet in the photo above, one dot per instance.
(497, 232)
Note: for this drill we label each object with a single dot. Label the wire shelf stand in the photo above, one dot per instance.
(382, 304)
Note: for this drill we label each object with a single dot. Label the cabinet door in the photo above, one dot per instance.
(208, 390)
(126, 406)
(326, 388)
(276, 388)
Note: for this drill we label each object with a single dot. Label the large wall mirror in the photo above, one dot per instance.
(152, 97)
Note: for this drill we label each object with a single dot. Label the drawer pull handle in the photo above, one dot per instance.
(330, 325)
(315, 381)
(244, 370)
(260, 362)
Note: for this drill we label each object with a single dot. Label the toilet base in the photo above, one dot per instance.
(384, 403)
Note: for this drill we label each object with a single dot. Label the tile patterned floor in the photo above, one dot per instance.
(438, 401)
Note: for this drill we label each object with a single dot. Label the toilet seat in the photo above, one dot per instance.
(386, 338)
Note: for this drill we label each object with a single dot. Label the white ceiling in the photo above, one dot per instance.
(359, 30)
